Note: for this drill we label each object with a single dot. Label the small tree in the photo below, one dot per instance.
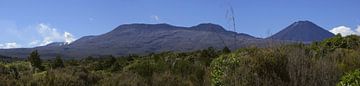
(58, 62)
(208, 54)
(35, 60)
(226, 50)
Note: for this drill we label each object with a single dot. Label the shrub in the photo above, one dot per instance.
(70, 76)
(146, 68)
(251, 66)
(350, 79)
(19, 65)
(220, 67)
(35, 60)
(58, 63)
(348, 42)
(226, 50)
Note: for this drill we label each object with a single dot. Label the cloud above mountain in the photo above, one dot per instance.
(345, 31)
(68, 37)
(15, 36)
(9, 45)
(50, 35)
(156, 18)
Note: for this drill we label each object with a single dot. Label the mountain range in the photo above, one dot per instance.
(153, 38)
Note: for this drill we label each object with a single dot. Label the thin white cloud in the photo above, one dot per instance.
(9, 45)
(50, 35)
(68, 37)
(34, 43)
(345, 31)
(40, 34)
(156, 18)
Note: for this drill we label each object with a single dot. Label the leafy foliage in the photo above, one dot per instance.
(35, 60)
(226, 50)
(323, 63)
(58, 62)
(350, 79)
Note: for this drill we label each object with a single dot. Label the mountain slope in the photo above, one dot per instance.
(143, 39)
(147, 38)
(303, 31)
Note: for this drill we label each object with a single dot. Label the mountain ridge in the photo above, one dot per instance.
(148, 38)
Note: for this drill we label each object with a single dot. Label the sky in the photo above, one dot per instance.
(30, 23)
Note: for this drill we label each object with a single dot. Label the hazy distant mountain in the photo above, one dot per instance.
(147, 38)
(143, 39)
(302, 31)
(152, 38)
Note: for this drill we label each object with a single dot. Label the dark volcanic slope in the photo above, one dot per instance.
(143, 39)
(147, 38)
(303, 31)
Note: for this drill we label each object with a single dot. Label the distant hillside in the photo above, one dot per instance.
(143, 39)
(302, 31)
(153, 38)
(148, 38)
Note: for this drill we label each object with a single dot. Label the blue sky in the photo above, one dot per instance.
(29, 23)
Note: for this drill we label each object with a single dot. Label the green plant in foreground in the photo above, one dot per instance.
(35, 60)
(220, 66)
(58, 63)
(350, 79)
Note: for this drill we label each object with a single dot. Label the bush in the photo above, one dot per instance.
(350, 79)
(348, 42)
(226, 50)
(58, 63)
(19, 65)
(124, 79)
(72, 76)
(317, 64)
(146, 68)
(220, 68)
(35, 60)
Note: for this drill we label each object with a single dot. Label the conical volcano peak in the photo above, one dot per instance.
(304, 31)
(303, 23)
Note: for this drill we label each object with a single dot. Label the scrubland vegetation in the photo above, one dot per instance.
(334, 61)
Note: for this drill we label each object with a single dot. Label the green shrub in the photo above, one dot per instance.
(249, 67)
(35, 60)
(226, 50)
(147, 67)
(318, 64)
(348, 42)
(231, 69)
(70, 76)
(350, 79)
(58, 63)
(19, 65)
